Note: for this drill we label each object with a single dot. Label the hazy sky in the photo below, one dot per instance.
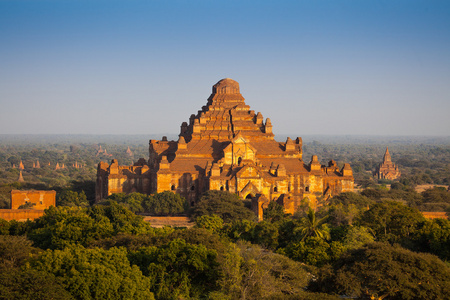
(142, 67)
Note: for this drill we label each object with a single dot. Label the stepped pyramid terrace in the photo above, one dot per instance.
(226, 146)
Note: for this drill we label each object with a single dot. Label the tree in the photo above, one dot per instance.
(30, 284)
(71, 198)
(178, 269)
(165, 203)
(274, 212)
(226, 205)
(14, 251)
(4, 227)
(228, 259)
(433, 236)
(61, 227)
(267, 275)
(356, 237)
(345, 207)
(212, 223)
(95, 273)
(437, 194)
(266, 235)
(313, 251)
(379, 270)
(133, 201)
(121, 218)
(391, 221)
(311, 226)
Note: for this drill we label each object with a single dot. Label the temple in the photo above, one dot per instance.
(226, 146)
(387, 169)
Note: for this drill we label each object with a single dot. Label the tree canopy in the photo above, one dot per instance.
(380, 270)
(226, 205)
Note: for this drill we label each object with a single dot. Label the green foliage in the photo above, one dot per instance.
(226, 205)
(212, 223)
(391, 221)
(121, 219)
(345, 207)
(61, 227)
(274, 212)
(433, 236)
(4, 201)
(266, 275)
(313, 251)
(178, 269)
(379, 270)
(133, 201)
(14, 251)
(435, 199)
(311, 226)
(228, 258)
(266, 235)
(165, 203)
(4, 226)
(71, 198)
(30, 284)
(356, 237)
(263, 233)
(95, 273)
(27, 205)
(240, 230)
(20, 228)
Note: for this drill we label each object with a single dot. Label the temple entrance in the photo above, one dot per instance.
(248, 201)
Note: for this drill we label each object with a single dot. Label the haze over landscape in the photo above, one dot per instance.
(143, 67)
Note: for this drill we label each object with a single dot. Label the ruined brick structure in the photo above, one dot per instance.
(40, 199)
(226, 146)
(387, 169)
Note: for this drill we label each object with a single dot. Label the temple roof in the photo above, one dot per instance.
(224, 115)
(226, 86)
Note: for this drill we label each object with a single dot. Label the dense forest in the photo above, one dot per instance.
(363, 246)
(373, 244)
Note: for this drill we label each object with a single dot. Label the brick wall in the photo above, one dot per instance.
(20, 214)
(41, 199)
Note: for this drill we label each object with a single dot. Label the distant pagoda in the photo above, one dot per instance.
(20, 179)
(387, 169)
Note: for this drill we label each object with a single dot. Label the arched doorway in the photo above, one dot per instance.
(248, 200)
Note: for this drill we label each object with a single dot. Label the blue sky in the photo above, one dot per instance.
(143, 67)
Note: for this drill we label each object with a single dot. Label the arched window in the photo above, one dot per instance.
(275, 189)
(221, 188)
(193, 188)
(239, 160)
(306, 188)
(173, 188)
(249, 197)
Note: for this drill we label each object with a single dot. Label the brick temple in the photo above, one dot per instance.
(226, 146)
(387, 169)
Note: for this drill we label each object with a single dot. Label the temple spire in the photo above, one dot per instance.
(20, 179)
(387, 156)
